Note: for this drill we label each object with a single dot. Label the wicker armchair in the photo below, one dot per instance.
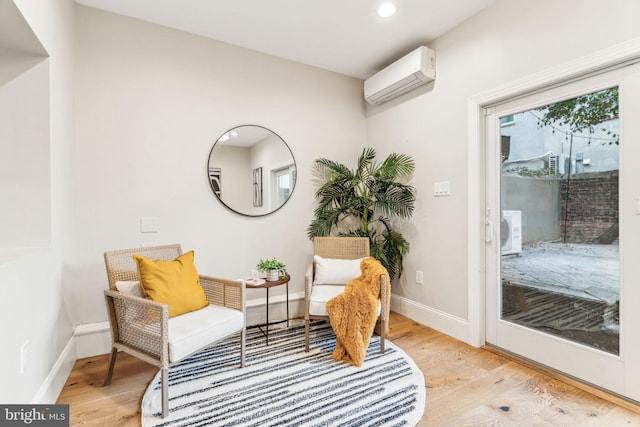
(142, 328)
(316, 299)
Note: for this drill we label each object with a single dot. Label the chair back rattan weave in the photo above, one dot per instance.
(341, 247)
(121, 266)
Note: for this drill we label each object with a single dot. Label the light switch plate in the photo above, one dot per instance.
(149, 225)
(441, 189)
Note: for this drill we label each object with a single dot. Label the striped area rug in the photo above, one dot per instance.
(282, 385)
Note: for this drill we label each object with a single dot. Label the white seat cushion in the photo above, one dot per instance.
(320, 294)
(192, 331)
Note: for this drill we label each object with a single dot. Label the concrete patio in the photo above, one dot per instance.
(569, 290)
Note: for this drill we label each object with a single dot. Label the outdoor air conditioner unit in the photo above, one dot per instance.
(407, 73)
(556, 164)
(511, 232)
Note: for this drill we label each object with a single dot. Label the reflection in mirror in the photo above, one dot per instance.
(252, 170)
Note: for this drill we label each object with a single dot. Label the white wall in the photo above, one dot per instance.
(25, 217)
(235, 176)
(151, 101)
(33, 305)
(510, 40)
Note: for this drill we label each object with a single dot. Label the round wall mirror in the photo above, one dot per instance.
(251, 170)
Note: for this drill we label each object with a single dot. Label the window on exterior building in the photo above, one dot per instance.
(507, 120)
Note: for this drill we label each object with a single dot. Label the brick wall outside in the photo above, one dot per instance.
(592, 207)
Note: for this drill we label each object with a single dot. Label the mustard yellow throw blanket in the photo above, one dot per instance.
(353, 313)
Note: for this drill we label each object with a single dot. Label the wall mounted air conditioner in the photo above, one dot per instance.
(407, 73)
(511, 232)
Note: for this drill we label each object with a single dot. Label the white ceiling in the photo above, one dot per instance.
(345, 36)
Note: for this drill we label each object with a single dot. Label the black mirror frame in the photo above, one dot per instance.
(216, 191)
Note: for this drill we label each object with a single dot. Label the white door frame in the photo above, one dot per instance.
(614, 56)
(575, 358)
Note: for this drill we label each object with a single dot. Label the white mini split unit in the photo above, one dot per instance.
(409, 72)
(511, 232)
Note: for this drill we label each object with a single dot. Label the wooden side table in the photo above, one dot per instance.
(267, 285)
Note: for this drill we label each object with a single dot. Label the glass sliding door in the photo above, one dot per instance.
(559, 228)
(562, 208)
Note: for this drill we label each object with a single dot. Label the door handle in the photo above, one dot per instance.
(488, 226)
(488, 232)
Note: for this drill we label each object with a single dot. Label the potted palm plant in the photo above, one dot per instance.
(364, 202)
(273, 268)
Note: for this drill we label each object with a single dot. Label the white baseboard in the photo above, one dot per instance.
(92, 339)
(443, 322)
(88, 340)
(256, 308)
(54, 382)
(95, 338)
(257, 302)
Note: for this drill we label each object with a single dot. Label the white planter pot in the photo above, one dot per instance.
(273, 275)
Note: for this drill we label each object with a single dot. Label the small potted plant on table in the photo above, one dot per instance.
(273, 268)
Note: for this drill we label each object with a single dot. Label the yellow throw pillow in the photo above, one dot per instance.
(174, 283)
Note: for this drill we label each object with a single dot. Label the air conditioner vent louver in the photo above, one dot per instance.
(556, 164)
(409, 72)
(553, 165)
(395, 90)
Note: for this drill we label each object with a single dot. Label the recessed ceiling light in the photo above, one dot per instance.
(386, 10)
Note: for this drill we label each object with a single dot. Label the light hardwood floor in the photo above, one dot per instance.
(466, 386)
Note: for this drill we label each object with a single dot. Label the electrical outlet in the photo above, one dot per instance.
(24, 356)
(419, 277)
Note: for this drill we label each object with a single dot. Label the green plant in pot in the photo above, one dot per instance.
(364, 202)
(273, 268)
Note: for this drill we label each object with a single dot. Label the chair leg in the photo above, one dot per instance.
(306, 335)
(383, 326)
(112, 362)
(165, 392)
(243, 339)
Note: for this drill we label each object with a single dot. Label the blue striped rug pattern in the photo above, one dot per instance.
(282, 385)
